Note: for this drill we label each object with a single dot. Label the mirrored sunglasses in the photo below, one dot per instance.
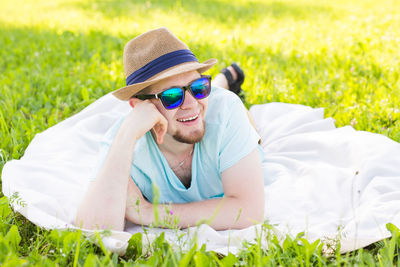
(173, 97)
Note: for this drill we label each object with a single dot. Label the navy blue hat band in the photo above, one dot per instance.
(159, 64)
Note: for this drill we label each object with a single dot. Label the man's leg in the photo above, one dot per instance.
(221, 81)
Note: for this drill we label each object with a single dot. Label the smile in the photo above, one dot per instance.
(189, 118)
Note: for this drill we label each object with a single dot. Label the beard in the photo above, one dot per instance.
(192, 138)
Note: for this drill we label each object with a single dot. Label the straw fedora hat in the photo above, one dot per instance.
(154, 56)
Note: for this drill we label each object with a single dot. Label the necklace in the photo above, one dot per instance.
(183, 161)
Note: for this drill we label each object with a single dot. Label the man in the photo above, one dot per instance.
(192, 144)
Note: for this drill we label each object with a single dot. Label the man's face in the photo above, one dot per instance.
(185, 123)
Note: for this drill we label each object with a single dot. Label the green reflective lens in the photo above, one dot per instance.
(172, 98)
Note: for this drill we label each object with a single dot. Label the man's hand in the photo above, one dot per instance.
(143, 117)
(138, 210)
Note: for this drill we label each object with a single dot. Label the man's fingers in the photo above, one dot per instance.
(145, 116)
(160, 129)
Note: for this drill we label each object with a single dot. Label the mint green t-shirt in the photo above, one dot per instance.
(228, 137)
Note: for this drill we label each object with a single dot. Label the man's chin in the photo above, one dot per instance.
(191, 138)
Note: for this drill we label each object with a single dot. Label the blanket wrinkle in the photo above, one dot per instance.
(330, 183)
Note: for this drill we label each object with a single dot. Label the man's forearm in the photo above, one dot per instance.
(242, 205)
(220, 213)
(104, 203)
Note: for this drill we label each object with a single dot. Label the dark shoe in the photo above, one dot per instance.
(234, 85)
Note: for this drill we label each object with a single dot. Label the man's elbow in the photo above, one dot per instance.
(86, 223)
(259, 215)
(256, 216)
(256, 209)
(82, 222)
(251, 215)
(92, 220)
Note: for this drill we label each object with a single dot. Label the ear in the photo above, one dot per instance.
(133, 101)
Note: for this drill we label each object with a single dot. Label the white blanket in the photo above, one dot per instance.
(328, 182)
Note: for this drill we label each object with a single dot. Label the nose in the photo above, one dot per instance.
(189, 101)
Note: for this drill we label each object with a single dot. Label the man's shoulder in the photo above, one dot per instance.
(222, 94)
(220, 104)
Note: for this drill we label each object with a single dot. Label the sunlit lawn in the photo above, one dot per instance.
(56, 57)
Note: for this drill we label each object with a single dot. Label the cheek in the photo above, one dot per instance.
(159, 107)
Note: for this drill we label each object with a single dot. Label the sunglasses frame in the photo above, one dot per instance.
(184, 88)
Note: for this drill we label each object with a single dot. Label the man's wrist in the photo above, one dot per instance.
(128, 132)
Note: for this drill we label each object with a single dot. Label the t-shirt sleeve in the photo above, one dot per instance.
(239, 138)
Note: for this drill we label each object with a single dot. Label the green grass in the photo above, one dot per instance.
(57, 57)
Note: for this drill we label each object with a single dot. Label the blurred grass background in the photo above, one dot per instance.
(58, 56)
